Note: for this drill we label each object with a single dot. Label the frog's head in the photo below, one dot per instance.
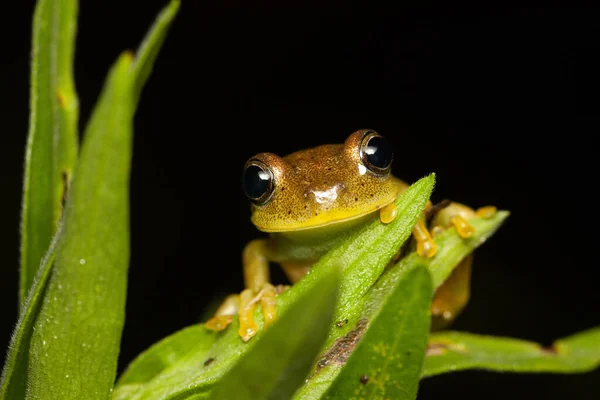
(320, 186)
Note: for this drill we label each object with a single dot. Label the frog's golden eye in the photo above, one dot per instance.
(257, 182)
(376, 153)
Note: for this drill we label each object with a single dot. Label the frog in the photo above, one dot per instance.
(310, 200)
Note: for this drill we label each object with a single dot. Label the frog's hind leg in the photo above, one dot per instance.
(258, 290)
(453, 295)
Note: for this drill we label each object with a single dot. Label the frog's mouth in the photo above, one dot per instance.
(343, 217)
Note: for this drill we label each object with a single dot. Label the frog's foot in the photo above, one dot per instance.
(426, 247)
(224, 314)
(248, 301)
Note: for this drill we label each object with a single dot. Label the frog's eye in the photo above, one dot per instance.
(257, 182)
(376, 153)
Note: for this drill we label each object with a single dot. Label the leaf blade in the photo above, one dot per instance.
(55, 303)
(85, 294)
(150, 46)
(387, 361)
(457, 351)
(283, 356)
(451, 249)
(51, 150)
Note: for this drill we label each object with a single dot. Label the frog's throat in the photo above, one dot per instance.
(327, 219)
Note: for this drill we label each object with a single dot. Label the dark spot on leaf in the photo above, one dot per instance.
(208, 361)
(550, 350)
(60, 96)
(342, 348)
(339, 324)
(65, 181)
(364, 379)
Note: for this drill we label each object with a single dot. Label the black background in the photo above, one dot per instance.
(501, 104)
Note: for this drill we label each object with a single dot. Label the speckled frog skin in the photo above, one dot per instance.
(322, 186)
(307, 202)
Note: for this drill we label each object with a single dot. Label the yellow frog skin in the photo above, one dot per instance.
(308, 201)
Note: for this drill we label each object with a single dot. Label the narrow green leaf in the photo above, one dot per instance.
(66, 342)
(452, 248)
(277, 365)
(150, 47)
(388, 359)
(361, 258)
(456, 351)
(51, 150)
(13, 384)
(75, 342)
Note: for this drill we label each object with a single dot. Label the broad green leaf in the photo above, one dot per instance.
(51, 150)
(388, 359)
(361, 258)
(456, 351)
(164, 353)
(356, 321)
(66, 342)
(277, 365)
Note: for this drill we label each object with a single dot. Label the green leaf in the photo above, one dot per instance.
(361, 257)
(451, 249)
(456, 351)
(164, 353)
(51, 150)
(66, 342)
(277, 365)
(388, 359)
(150, 47)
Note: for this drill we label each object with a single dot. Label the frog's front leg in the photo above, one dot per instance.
(255, 259)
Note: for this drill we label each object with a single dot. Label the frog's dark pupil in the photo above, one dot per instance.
(257, 182)
(378, 152)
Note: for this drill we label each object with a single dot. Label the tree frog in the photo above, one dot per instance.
(308, 201)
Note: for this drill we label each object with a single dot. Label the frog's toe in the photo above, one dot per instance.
(464, 229)
(218, 322)
(224, 314)
(248, 300)
(426, 248)
(248, 327)
(486, 212)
